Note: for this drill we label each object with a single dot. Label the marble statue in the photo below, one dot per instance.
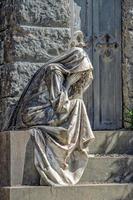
(52, 107)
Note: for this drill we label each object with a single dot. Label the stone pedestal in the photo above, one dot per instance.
(17, 159)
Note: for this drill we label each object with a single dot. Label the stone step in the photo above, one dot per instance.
(112, 142)
(78, 192)
(17, 163)
(109, 169)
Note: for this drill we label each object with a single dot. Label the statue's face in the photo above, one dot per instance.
(78, 40)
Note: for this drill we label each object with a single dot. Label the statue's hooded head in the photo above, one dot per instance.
(75, 59)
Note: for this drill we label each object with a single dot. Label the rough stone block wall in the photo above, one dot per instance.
(127, 26)
(31, 33)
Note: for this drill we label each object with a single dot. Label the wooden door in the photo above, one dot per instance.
(100, 20)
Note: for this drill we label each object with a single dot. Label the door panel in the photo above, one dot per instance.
(107, 63)
(100, 20)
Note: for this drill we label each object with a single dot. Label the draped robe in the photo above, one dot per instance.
(51, 106)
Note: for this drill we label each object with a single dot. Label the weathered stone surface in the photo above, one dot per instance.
(128, 49)
(4, 193)
(33, 44)
(109, 169)
(112, 142)
(79, 192)
(14, 77)
(5, 159)
(7, 106)
(6, 14)
(39, 44)
(13, 80)
(128, 13)
(48, 13)
(127, 36)
(15, 39)
(1, 48)
(54, 13)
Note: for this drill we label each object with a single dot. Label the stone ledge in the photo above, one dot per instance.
(84, 192)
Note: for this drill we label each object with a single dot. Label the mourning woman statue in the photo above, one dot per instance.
(51, 106)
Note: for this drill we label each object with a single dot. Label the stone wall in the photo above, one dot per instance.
(31, 33)
(127, 31)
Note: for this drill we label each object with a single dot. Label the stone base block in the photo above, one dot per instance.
(17, 159)
(79, 192)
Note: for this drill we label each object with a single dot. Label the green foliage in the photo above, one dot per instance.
(129, 117)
